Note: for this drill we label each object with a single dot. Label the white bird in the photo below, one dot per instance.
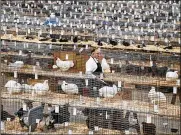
(17, 64)
(69, 88)
(13, 87)
(108, 91)
(41, 88)
(156, 96)
(172, 75)
(64, 65)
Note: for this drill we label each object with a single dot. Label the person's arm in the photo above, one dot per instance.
(90, 67)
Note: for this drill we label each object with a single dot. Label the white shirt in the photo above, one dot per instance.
(91, 65)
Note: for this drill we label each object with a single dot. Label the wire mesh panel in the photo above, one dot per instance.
(46, 89)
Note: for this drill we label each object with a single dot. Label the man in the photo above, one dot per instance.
(97, 63)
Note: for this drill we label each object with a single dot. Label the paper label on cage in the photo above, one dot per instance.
(90, 132)
(51, 31)
(86, 82)
(15, 74)
(80, 73)
(50, 46)
(148, 118)
(112, 60)
(126, 37)
(66, 124)
(96, 128)
(178, 82)
(2, 125)
(24, 45)
(127, 132)
(8, 119)
(24, 107)
(119, 84)
(38, 46)
(174, 90)
(36, 76)
(138, 38)
(156, 108)
(75, 32)
(97, 100)
(29, 31)
(87, 47)
(74, 111)
(15, 43)
(151, 63)
(81, 49)
(70, 132)
(17, 30)
(56, 109)
(20, 52)
(66, 56)
(37, 120)
(34, 68)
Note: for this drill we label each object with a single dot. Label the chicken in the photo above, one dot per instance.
(64, 65)
(41, 88)
(156, 96)
(171, 75)
(108, 91)
(69, 88)
(17, 64)
(13, 87)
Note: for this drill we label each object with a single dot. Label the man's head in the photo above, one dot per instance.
(95, 53)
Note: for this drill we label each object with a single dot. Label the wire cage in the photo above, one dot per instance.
(45, 88)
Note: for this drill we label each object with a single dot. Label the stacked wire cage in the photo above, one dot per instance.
(40, 96)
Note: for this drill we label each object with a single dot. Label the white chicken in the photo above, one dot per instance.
(64, 65)
(108, 91)
(13, 87)
(41, 88)
(171, 75)
(17, 64)
(156, 96)
(69, 88)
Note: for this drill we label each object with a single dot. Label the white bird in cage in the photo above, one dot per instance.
(156, 96)
(69, 88)
(64, 65)
(13, 87)
(108, 91)
(170, 75)
(41, 88)
(17, 64)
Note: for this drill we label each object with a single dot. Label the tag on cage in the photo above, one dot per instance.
(96, 128)
(66, 56)
(15, 43)
(36, 76)
(15, 74)
(148, 118)
(174, 90)
(74, 111)
(80, 73)
(156, 108)
(29, 31)
(2, 125)
(37, 121)
(38, 46)
(70, 132)
(8, 119)
(20, 52)
(66, 124)
(24, 107)
(112, 60)
(50, 46)
(87, 47)
(127, 132)
(90, 132)
(81, 49)
(51, 31)
(86, 82)
(24, 45)
(56, 109)
(119, 84)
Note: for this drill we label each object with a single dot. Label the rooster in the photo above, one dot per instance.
(64, 65)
